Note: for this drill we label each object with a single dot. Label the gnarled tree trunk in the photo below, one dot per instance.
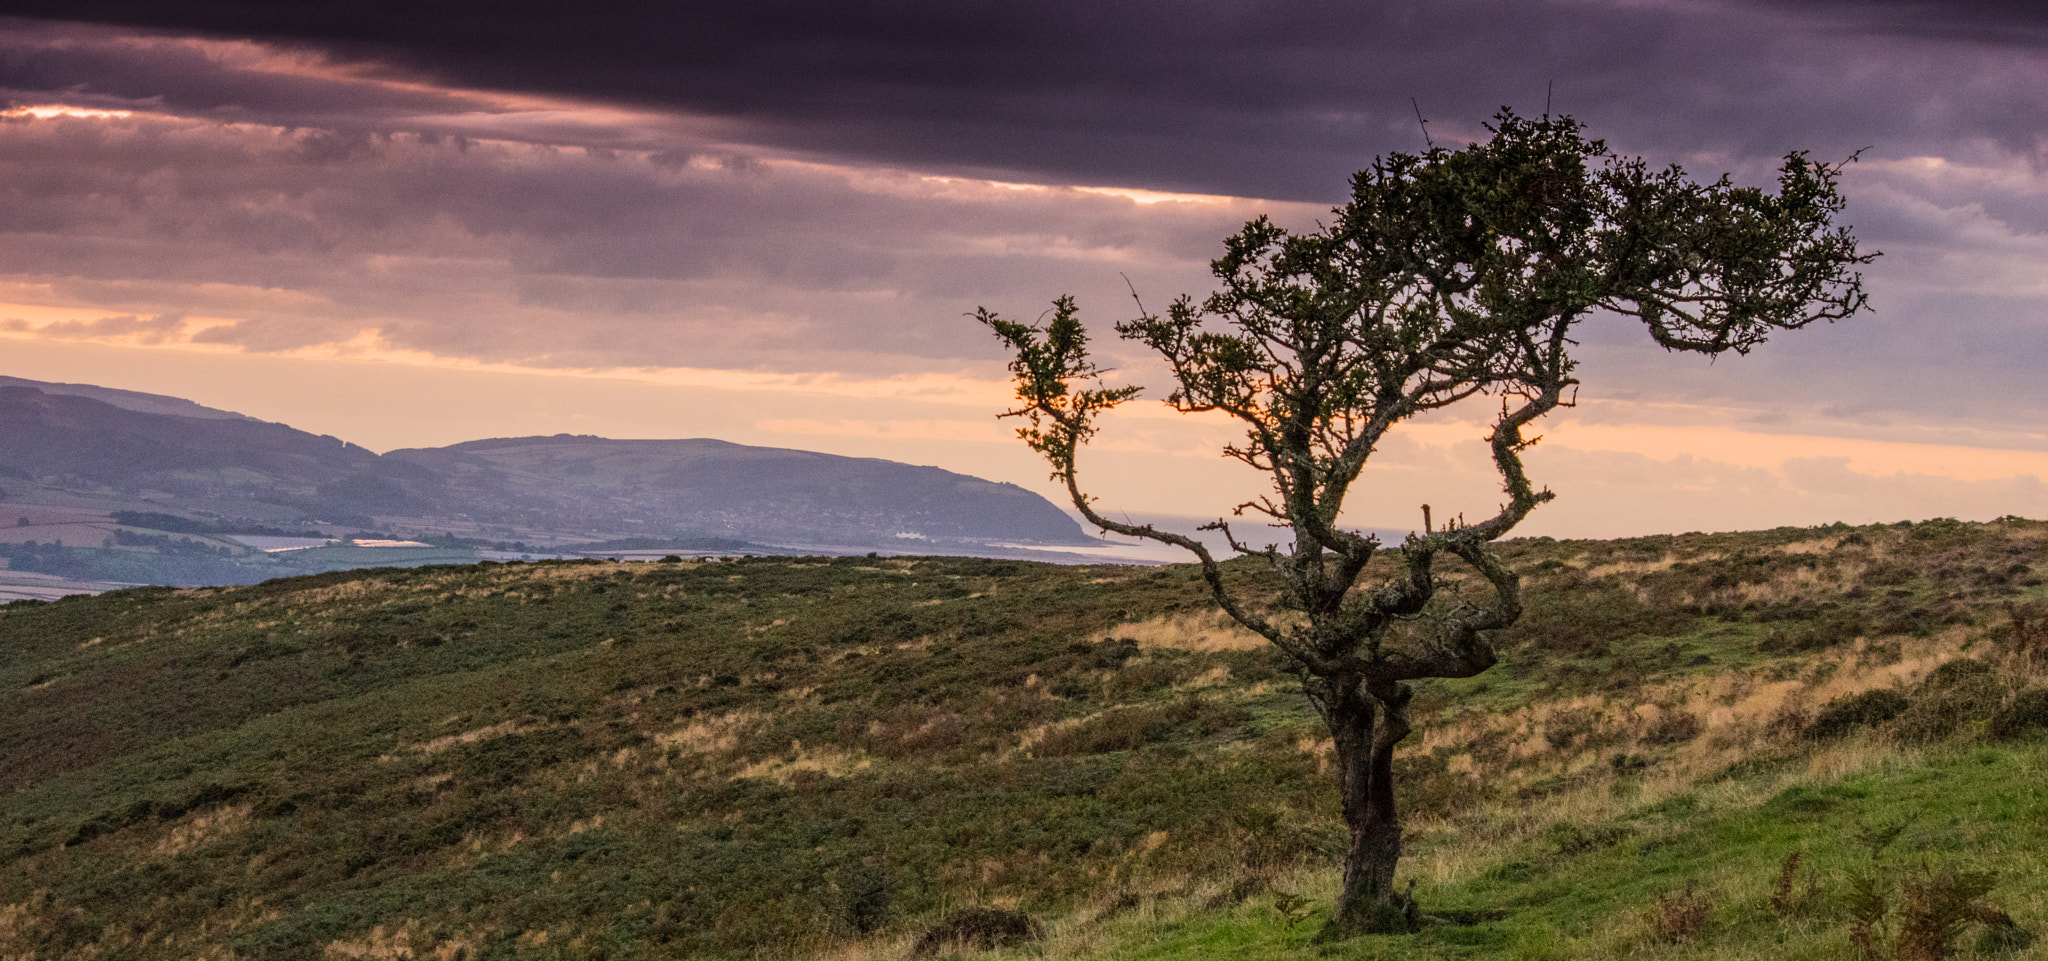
(1367, 722)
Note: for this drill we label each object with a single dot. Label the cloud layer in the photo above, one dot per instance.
(802, 189)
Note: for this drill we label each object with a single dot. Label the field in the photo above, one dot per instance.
(1712, 746)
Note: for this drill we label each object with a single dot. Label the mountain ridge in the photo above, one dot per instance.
(169, 453)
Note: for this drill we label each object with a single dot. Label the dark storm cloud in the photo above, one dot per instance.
(117, 70)
(709, 185)
(1277, 99)
(2022, 23)
(522, 253)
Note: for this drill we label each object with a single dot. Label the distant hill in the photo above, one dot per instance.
(720, 488)
(182, 456)
(84, 439)
(134, 400)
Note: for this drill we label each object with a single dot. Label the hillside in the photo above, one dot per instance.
(813, 756)
(88, 440)
(74, 456)
(718, 488)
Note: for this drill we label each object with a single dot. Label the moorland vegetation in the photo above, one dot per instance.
(1799, 743)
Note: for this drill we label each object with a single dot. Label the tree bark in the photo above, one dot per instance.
(1367, 722)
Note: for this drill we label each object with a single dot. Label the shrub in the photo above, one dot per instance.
(982, 929)
(1570, 839)
(1843, 715)
(914, 731)
(1681, 916)
(1673, 727)
(1128, 727)
(1570, 728)
(865, 896)
(1957, 693)
(2027, 632)
(1788, 721)
(2025, 713)
(1935, 907)
(1816, 633)
(1274, 839)
(1566, 621)
(1146, 676)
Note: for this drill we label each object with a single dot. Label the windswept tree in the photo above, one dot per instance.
(1450, 276)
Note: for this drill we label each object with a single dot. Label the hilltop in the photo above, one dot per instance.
(804, 756)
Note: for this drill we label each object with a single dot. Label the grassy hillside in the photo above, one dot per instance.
(808, 757)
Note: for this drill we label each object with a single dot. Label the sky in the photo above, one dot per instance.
(412, 224)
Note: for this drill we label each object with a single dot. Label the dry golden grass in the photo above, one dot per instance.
(439, 744)
(1630, 567)
(1206, 631)
(344, 591)
(408, 941)
(15, 918)
(1735, 709)
(200, 827)
(827, 761)
(709, 735)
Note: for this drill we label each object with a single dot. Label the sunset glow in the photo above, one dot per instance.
(228, 219)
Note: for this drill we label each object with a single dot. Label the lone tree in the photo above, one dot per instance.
(1450, 275)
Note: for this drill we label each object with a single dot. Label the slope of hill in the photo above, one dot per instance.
(133, 400)
(71, 438)
(810, 756)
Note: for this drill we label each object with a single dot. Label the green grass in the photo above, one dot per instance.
(1978, 807)
(591, 759)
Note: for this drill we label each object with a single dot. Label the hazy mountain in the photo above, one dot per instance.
(182, 454)
(134, 400)
(715, 487)
(73, 438)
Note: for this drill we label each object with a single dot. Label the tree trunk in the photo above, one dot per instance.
(1366, 725)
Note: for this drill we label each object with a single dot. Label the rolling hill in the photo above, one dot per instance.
(75, 455)
(1704, 746)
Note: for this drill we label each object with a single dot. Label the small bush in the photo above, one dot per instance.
(1680, 916)
(1570, 839)
(1570, 728)
(981, 929)
(1273, 840)
(1788, 721)
(1673, 727)
(1145, 676)
(865, 896)
(1932, 913)
(1843, 715)
(1955, 694)
(2026, 633)
(2026, 713)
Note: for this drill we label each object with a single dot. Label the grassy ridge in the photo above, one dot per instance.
(809, 756)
